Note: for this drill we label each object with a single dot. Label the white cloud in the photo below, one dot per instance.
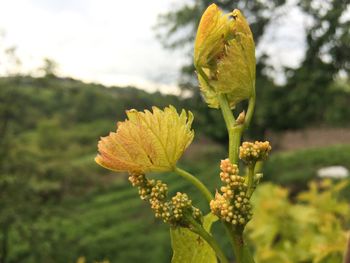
(107, 41)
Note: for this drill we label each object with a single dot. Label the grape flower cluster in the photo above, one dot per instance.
(232, 204)
(171, 211)
(251, 152)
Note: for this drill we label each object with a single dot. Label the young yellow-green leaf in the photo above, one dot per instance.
(188, 247)
(210, 38)
(236, 70)
(225, 53)
(147, 141)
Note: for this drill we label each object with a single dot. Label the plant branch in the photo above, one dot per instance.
(250, 181)
(240, 249)
(196, 182)
(199, 230)
(234, 241)
(234, 132)
(258, 167)
(250, 110)
(226, 111)
(236, 136)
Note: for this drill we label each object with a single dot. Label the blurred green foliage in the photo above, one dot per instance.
(311, 228)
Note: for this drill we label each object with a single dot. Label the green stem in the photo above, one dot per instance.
(250, 111)
(258, 167)
(250, 182)
(236, 136)
(198, 229)
(240, 249)
(226, 111)
(196, 182)
(235, 132)
(236, 245)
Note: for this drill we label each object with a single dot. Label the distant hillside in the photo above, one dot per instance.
(72, 102)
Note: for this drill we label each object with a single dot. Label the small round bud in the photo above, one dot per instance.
(137, 179)
(159, 191)
(251, 152)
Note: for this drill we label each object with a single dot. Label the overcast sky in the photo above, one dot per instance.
(112, 41)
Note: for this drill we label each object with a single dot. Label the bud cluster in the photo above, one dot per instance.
(251, 152)
(232, 205)
(182, 204)
(144, 185)
(156, 192)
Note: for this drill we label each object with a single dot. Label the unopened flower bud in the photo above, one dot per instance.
(137, 179)
(159, 191)
(251, 152)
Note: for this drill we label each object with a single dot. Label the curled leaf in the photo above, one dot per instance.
(147, 141)
(211, 34)
(224, 56)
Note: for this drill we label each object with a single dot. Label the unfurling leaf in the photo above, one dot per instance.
(224, 57)
(188, 247)
(211, 34)
(147, 141)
